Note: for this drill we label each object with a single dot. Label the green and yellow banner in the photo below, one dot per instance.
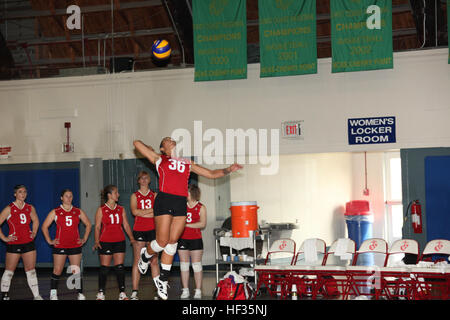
(220, 39)
(361, 35)
(287, 33)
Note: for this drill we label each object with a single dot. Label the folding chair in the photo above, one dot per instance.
(272, 274)
(361, 278)
(332, 275)
(311, 253)
(436, 250)
(433, 280)
(393, 285)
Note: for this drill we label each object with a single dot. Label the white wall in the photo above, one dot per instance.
(310, 190)
(375, 184)
(109, 111)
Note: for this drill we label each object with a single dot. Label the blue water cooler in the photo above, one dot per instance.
(359, 221)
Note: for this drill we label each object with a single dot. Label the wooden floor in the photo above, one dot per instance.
(19, 289)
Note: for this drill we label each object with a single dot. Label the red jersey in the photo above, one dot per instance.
(112, 220)
(19, 221)
(173, 175)
(144, 202)
(67, 227)
(193, 216)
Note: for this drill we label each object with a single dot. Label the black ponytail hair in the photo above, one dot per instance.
(107, 190)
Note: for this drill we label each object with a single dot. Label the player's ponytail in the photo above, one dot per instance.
(107, 190)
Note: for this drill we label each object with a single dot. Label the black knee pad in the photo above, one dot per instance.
(55, 276)
(119, 267)
(104, 270)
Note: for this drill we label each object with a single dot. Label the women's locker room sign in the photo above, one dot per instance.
(371, 130)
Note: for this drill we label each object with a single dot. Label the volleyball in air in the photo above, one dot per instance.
(161, 49)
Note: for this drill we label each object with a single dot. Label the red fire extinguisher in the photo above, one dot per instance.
(416, 216)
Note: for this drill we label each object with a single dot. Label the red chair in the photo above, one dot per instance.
(332, 275)
(302, 275)
(395, 286)
(439, 248)
(281, 252)
(363, 279)
(272, 274)
(432, 277)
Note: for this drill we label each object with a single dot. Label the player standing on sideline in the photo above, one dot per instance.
(190, 245)
(141, 204)
(20, 241)
(67, 242)
(170, 204)
(110, 240)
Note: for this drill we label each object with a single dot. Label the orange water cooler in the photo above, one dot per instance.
(244, 218)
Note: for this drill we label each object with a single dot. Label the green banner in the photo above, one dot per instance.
(287, 34)
(220, 39)
(361, 35)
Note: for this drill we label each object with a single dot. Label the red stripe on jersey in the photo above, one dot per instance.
(67, 227)
(193, 216)
(112, 220)
(144, 202)
(19, 222)
(173, 175)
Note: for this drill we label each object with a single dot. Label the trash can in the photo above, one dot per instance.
(359, 221)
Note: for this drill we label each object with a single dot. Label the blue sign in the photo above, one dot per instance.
(371, 130)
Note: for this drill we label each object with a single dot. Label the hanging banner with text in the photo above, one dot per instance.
(371, 130)
(361, 35)
(287, 33)
(220, 39)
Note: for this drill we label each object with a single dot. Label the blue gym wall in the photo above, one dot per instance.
(426, 177)
(44, 183)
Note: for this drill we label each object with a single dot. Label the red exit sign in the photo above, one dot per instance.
(292, 129)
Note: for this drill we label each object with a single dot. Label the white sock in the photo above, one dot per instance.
(6, 280)
(53, 292)
(166, 267)
(33, 282)
(147, 255)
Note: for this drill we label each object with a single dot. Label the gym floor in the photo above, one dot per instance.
(19, 289)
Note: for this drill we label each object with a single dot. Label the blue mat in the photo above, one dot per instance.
(44, 188)
(437, 191)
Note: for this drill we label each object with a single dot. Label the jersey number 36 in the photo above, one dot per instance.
(177, 165)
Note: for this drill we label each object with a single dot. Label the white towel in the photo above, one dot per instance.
(310, 250)
(237, 243)
(341, 249)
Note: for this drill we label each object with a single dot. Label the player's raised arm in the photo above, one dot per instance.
(214, 174)
(146, 151)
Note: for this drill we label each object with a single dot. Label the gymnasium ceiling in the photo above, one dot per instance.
(35, 42)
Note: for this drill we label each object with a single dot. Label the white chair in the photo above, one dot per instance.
(273, 274)
(281, 252)
(398, 250)
(437, 247)
(393, 285)
(366, 279)
(332, 275)
(311, 252)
